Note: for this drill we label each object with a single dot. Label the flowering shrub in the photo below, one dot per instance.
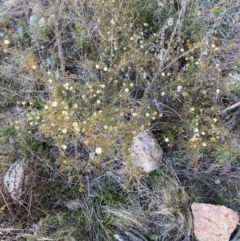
(145, 61)
(102, 117)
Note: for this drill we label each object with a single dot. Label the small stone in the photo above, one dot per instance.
(10, 3)
(146, 152)
(213, 222)
(217, 182)
(33, 21)
(41, 22)
(236, 77)
(73, 205)
(14, 179)
(91, 156)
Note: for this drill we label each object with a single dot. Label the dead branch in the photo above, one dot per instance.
(231, 107)
(59, 41)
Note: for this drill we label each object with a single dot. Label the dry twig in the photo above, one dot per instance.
(59, 41)
(231, 107)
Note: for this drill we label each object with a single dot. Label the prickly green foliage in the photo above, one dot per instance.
(24, 38)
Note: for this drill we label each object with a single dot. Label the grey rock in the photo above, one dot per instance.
(33, 21)
(20, 31)
(41, 22)
(74, 204)
(14, 179)
(234, 80)
(235, 77)
(10, 3)
(146, 152)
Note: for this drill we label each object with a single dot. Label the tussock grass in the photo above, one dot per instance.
(160, 211)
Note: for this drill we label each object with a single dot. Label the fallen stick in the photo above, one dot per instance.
(231, 107)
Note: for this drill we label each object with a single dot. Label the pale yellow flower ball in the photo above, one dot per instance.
(54, 104)
(64, 147)
(98, 150)
(64, 131)
(6, 42)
